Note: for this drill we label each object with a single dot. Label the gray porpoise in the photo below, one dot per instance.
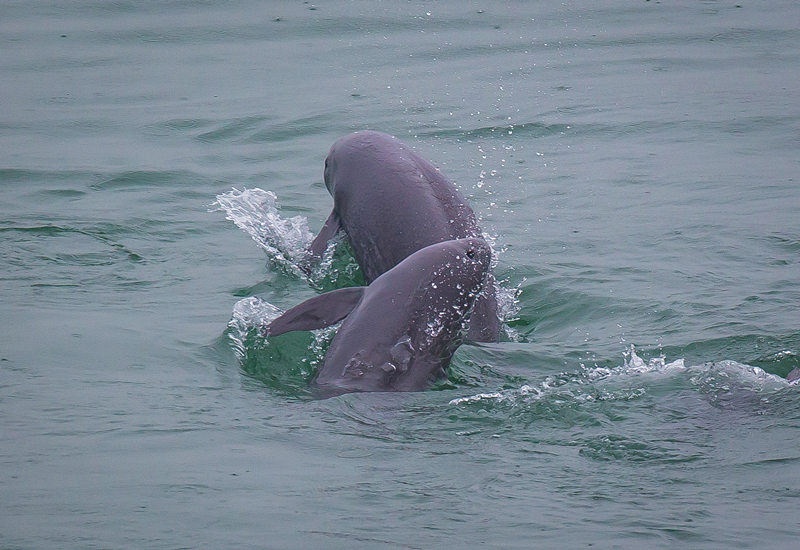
(391, 202)
(400, 332)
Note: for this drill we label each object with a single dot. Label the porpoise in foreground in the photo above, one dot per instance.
(391, 203)
(401, 331)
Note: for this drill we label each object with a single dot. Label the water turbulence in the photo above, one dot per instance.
(283, 364)
(290, 361)
(601, 404)
(637, 377)
(286, 364)
(582, 397)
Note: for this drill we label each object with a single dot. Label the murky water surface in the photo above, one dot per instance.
(635, 164)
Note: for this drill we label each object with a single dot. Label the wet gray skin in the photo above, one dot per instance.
(391, 202)
(400, 332)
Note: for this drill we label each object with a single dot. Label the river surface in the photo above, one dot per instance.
(634, 163)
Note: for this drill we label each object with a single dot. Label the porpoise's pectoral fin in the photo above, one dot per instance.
(794, 375)
(318, 312)
(332, 226)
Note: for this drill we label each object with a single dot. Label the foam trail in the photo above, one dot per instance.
(634, 377)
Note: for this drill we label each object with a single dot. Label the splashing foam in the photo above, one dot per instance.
(255, 211)
(601, 383)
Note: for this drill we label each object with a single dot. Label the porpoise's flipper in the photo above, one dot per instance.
(794, 375)
(329, 230)
(318, 312)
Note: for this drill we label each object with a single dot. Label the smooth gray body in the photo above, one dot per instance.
(391, 203)
(400, 332)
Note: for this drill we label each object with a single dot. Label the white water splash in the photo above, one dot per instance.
(508, 307)
(256, 211)
(499, 396)
(634, 365)
(248, 314)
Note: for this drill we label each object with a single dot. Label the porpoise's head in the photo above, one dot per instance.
(351, 151)
(457, 273)
(407, 326)
(456, 265)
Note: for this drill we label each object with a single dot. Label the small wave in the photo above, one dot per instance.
(613, 447)
(255, 211)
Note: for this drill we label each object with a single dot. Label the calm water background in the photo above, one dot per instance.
(637, 163)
